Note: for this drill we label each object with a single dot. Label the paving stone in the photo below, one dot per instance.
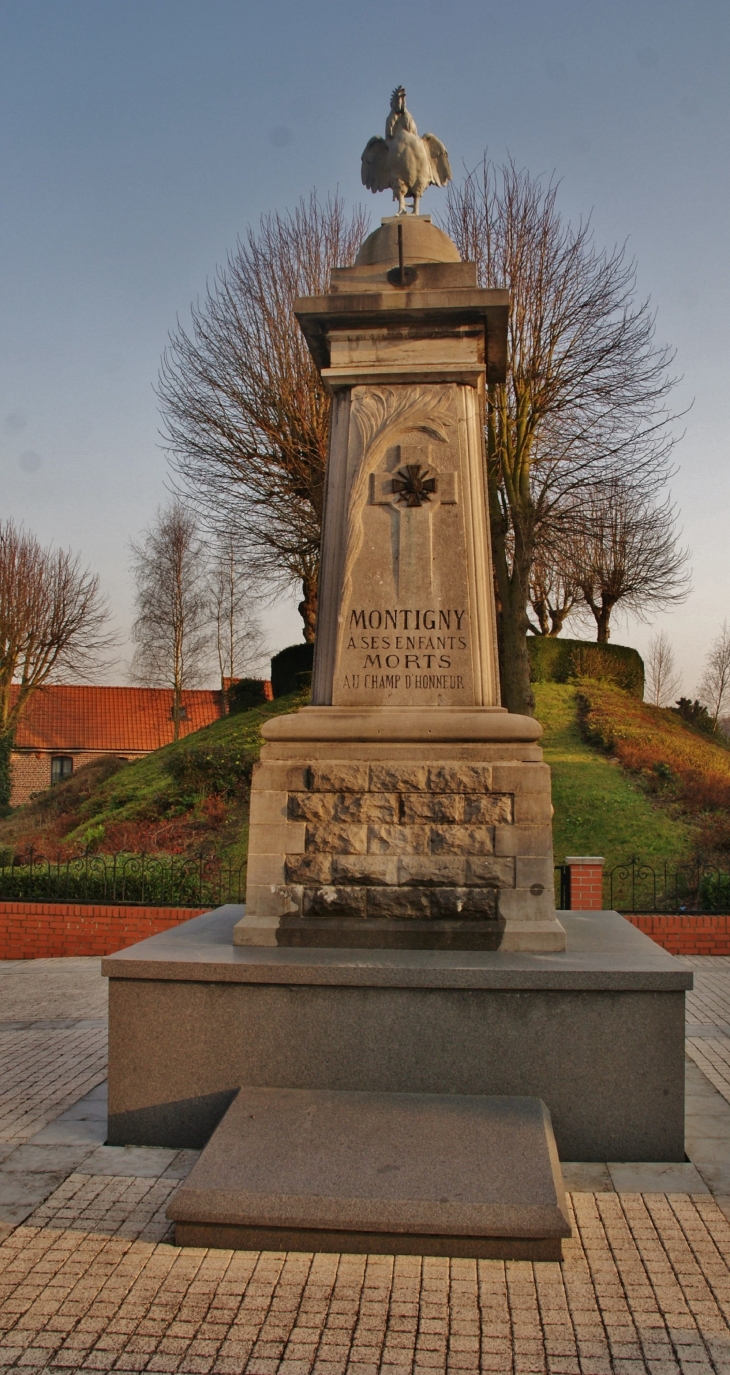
(588, 1177)
(49, 1159)
(89, 1279)
(139, 1162)
(716, 1177)
(90, 1132)
(41, 1073)
(20, 1194)
(180, 1167)
(92, 1107)
(648, 1178)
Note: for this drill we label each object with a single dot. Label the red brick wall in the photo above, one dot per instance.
(682, 935)
(31, 769)
(586, 887)
(38, 930)
(30, 773)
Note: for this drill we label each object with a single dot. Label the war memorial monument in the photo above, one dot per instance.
(384, 1047)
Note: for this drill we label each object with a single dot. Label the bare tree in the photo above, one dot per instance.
(245, 414)
(662, 679)
(52, 624)
(714, 690)
(586, 387)
(172, 626)
(239, 639)
(554, 593)
(624, 552)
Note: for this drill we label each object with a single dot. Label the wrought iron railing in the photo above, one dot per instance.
(667, 886)
(690, 886)
(154, 880)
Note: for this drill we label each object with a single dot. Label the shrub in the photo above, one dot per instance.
(289, 667)
(223, 770)
(714, 894)
(93, 837)
(554, 660)
(695, 715)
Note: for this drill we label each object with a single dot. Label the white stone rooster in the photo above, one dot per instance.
(403, 161)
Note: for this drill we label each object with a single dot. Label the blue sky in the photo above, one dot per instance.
(139, 137)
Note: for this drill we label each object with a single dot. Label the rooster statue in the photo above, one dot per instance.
(403, 161)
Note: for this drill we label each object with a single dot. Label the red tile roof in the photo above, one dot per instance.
(119, 720)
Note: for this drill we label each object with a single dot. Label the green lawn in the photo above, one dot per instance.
(599, 810)
(599, 807)
(143, 806)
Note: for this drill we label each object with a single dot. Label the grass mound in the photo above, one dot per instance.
(676, 764)
(189, 798)
(628, 779)
(600, 809)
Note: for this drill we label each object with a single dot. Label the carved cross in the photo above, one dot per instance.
(414, 489)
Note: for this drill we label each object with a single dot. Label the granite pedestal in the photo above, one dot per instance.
(390, 1173)
(596, 1031)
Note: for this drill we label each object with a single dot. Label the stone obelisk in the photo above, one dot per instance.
(404, 807)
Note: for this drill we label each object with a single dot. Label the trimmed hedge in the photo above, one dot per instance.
(6, 771)
(291, 669)
(247, 693)
(553, 660)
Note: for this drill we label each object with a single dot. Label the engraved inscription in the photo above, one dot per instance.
(413, 648)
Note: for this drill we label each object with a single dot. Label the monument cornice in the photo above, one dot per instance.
(402, 724)
(390, 374)
(423, 311)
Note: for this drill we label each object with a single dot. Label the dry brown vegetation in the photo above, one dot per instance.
(679, 766)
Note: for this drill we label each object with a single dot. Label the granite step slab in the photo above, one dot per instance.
(390, 1173)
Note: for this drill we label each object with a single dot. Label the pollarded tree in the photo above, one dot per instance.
(586, 390)
(554, 594)
(625, 553)
(245, 413)
(172, 627)
(53, 624)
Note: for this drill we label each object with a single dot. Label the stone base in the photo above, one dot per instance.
(403, 829)
(383, 1173)
(375, 934)
(223, 1237)
(595, 1031)
(383, 934)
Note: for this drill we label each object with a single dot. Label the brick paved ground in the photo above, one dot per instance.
(89, 1282)
(708, 1017)
(52, 1040)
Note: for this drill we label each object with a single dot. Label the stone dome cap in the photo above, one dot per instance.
(422, 243)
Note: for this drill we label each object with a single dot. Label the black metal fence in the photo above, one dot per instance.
(689, 886)
(159, 880)
(142, 880)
